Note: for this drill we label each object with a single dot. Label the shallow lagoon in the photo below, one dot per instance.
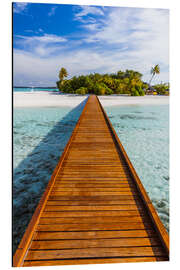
(40, 135)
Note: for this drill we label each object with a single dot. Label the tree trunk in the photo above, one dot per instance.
(151, 80)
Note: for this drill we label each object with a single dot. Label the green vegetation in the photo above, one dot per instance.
(62, 74)
(162, 89)
(123, 82)
(154, 70)
(128, 82)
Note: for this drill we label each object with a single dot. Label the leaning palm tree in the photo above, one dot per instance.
(62, 74)
(154, 70)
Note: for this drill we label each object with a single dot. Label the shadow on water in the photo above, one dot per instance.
(31, 176)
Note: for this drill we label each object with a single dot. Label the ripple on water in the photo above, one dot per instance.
(135, 117)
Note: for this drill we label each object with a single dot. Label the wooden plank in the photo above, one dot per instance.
(93, 234)
(96, 213)
(98, 219)
(99, 138)
(94, 167)
(94, 243)
(101, 180)
(100, 197)
(94, 252)
(95, 183)
(93, 193)
(91, 185)
(91, 189)
(95, 261)
(93, 203)
(92, 208)
(100, 168)
(103, 226)
(95, 174)
(89, 160)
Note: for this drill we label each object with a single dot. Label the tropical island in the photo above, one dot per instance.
(127, 82)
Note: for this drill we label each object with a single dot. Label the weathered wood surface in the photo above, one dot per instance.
(95, 208)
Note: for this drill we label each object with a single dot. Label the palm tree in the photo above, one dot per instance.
(62, 73)
(154, 70)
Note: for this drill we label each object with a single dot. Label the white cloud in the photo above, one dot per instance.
(86, 10)
(126, 38)
(46, 38)
(42, 46)
(144, 32)
(52, 11)
(132, 25)
(91, 27)
(19, 7)
(33, 31)
(85, 61)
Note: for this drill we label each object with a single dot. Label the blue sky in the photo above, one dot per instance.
(86, 39)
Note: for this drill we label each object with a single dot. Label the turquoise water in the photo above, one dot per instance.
(33, 89)
(40, 135)
(144, 133)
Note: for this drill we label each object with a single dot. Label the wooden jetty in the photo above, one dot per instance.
(95, 208)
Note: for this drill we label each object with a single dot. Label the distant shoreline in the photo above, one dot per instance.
(55, 99)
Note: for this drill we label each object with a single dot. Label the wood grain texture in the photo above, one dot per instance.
(94, 261)
(95, 208)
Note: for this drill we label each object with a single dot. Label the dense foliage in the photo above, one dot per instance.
(162, 89)
(128, 82)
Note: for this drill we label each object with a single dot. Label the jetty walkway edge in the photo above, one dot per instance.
(95, 208)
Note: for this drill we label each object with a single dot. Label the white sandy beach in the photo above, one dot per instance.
(50, 99)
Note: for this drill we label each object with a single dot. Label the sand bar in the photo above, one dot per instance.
(50, 99)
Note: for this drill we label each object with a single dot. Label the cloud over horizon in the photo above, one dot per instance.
(100, 40)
